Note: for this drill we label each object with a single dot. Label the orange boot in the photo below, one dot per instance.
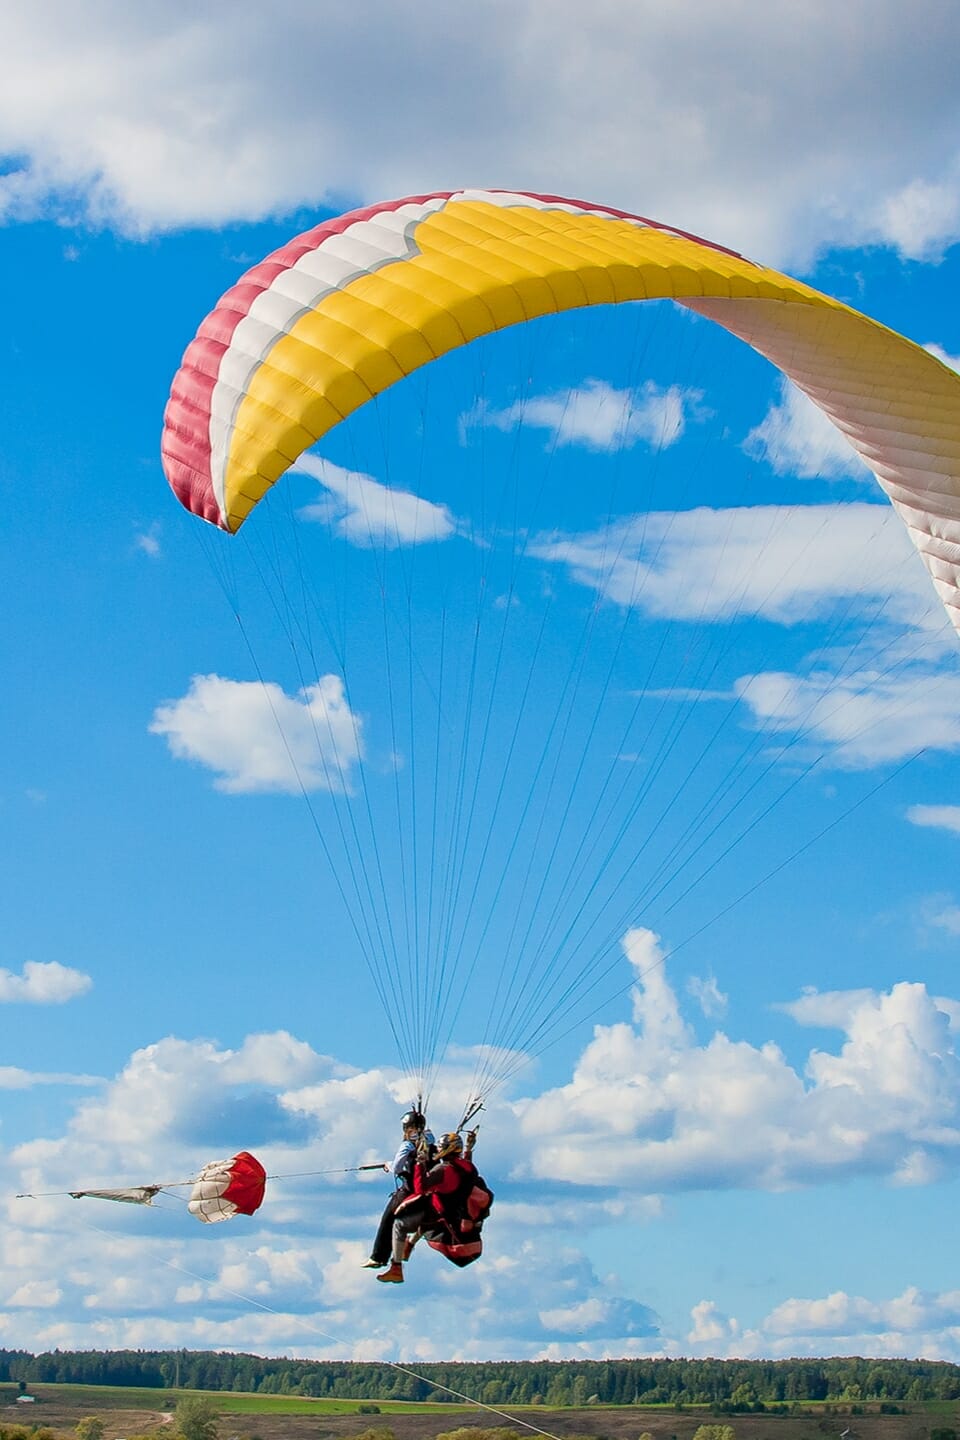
(393, 1276)
(408, 1247)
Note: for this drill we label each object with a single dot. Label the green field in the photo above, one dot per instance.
(129, 1397)
(90, 1399)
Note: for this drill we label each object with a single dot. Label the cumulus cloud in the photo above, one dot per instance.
(647, 1105)
(953, 361)
(944, 917)
(648, 1108)
(370, 514)
(598, 416)
(796, 438)
(937, 817)
(600, 1315)
(710, 1327)
(166, 1087)
(42, 983)
(832, 1009)
(869, 720)
(707, 994)
(783, 563)
(301, 1254)
(842, 1314)
(36, 1295)
(922, 219)
(760, 135)
(915, 1322)
(258, 738)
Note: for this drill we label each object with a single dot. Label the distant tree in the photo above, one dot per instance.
(470, 1432)
(714, 1432)
(90, 1428)
(578, 1393)
(196, 1419)
(559, 1391)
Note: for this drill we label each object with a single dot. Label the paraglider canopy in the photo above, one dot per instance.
(347, 309)
(522, 767)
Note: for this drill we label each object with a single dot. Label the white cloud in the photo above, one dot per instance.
(945, 918)
(36, 1295)
(13, 1078)
(655, 1007)
(148, 540)
(648, 1106)
(719, 119)
(953, 361)
(707, 994)
(42, 983)
(869, 720)
(833, 1009)
(784, 563)
(710, 1326)
(898, 1049)
(950, 1008)
(166, 1088)
(369, 514)
(796, 438)
(301, 1254)
(918, 1168)
(923, 218)
(599, 1315)
(938, 817)
(598, 416)
(840, 1314)
(258, 738)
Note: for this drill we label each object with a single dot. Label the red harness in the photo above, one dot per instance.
(461, 1207)
(460, 1200)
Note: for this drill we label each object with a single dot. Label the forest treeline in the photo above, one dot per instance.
(738, 1385)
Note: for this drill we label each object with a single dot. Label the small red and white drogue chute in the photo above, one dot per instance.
(222, 1189)
(225, 1188)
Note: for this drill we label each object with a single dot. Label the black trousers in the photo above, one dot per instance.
(383, 1244)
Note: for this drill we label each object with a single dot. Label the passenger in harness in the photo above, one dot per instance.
(414, 1127)
(448, 1207)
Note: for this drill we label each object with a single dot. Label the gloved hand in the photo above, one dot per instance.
(471, 1139)
(423, 1148)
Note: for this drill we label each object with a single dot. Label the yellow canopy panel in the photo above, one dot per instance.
(343, 311)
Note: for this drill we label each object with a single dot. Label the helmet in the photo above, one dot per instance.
(450, 1144)
(413, 1120)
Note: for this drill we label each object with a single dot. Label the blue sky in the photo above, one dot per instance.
(744, 1140)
